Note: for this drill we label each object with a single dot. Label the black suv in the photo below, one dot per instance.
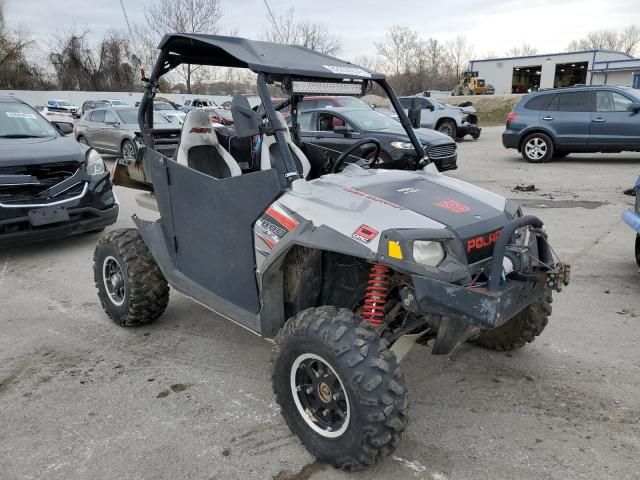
(50, 185)
(555, 123)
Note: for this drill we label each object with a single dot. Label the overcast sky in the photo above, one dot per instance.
(494, 25)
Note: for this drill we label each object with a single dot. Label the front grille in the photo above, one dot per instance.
(37, 180)
(472, 119)
(442, 151)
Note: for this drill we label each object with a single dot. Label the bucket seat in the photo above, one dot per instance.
(199, 148)
(269, 147)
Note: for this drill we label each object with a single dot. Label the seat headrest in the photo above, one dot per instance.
(197, 129)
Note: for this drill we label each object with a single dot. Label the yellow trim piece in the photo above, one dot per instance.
(394, 250)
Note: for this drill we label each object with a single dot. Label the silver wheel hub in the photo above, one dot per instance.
(113, 280)
(536, 148)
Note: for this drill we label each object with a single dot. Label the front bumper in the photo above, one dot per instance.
(83, 219)
(476, 306)
(96, 207)
(466, 308)
(469, 129)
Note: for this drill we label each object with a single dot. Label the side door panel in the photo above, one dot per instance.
(427, 115)
(111, 133)
(95, 130)
(612, 125)
(213, 223)
(568, 117)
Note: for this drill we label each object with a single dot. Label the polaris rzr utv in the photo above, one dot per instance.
(345, 272)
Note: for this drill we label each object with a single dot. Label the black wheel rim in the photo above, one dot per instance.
(320, 396)
(83, 141)
(114, 281)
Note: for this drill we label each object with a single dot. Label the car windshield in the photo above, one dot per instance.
(352, 102)
(118, 103)
(130, 115)
(162, 106)
(62, 103)
(371, 120)
(18, 120)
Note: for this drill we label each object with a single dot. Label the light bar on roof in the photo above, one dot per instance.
(327, 88)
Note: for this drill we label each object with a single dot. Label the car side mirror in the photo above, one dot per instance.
(414, 113)
(343, 130)
(63, 127)
(634, 107)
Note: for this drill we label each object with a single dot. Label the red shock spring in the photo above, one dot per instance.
(376, 294)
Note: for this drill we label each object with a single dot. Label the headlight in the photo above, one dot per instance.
(428, 253)
(95, 164)
(402, 145)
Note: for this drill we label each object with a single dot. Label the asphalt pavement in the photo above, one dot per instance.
(190, 395)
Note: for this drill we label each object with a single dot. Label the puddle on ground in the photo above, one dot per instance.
(546, 203)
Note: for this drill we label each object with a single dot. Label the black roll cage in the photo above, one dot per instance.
(167, 61)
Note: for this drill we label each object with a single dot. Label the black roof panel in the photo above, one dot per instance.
(271, 58)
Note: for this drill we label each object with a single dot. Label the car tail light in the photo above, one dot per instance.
(511, 117)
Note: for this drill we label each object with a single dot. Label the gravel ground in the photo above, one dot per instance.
(190, 396)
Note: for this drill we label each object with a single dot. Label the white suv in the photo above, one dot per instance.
(453, 121)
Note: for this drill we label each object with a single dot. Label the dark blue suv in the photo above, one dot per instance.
(554, 123)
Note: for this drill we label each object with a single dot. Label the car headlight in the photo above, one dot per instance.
(95, 164)
(428, 253)
(402, 145)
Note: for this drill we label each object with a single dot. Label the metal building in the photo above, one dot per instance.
(590, 67)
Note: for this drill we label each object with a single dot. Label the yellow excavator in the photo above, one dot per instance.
(470, 84)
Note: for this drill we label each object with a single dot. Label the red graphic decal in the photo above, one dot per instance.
(270, 243)
(365, 233)
(452, 206)
(200, 130)
(284, 220)
(483, 241)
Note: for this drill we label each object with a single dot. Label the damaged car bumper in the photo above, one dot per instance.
(469, 129)
(87, 204)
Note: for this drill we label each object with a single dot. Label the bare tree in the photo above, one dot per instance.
(630, 40)
(109, 66)
(372, 62)
(626, 41)
(285, 28)
(460, 52)
(415, 64)
(187, 16)
(17, 71)
(523, 50)
(400, 45)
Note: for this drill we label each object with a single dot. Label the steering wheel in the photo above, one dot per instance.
(365, 141)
